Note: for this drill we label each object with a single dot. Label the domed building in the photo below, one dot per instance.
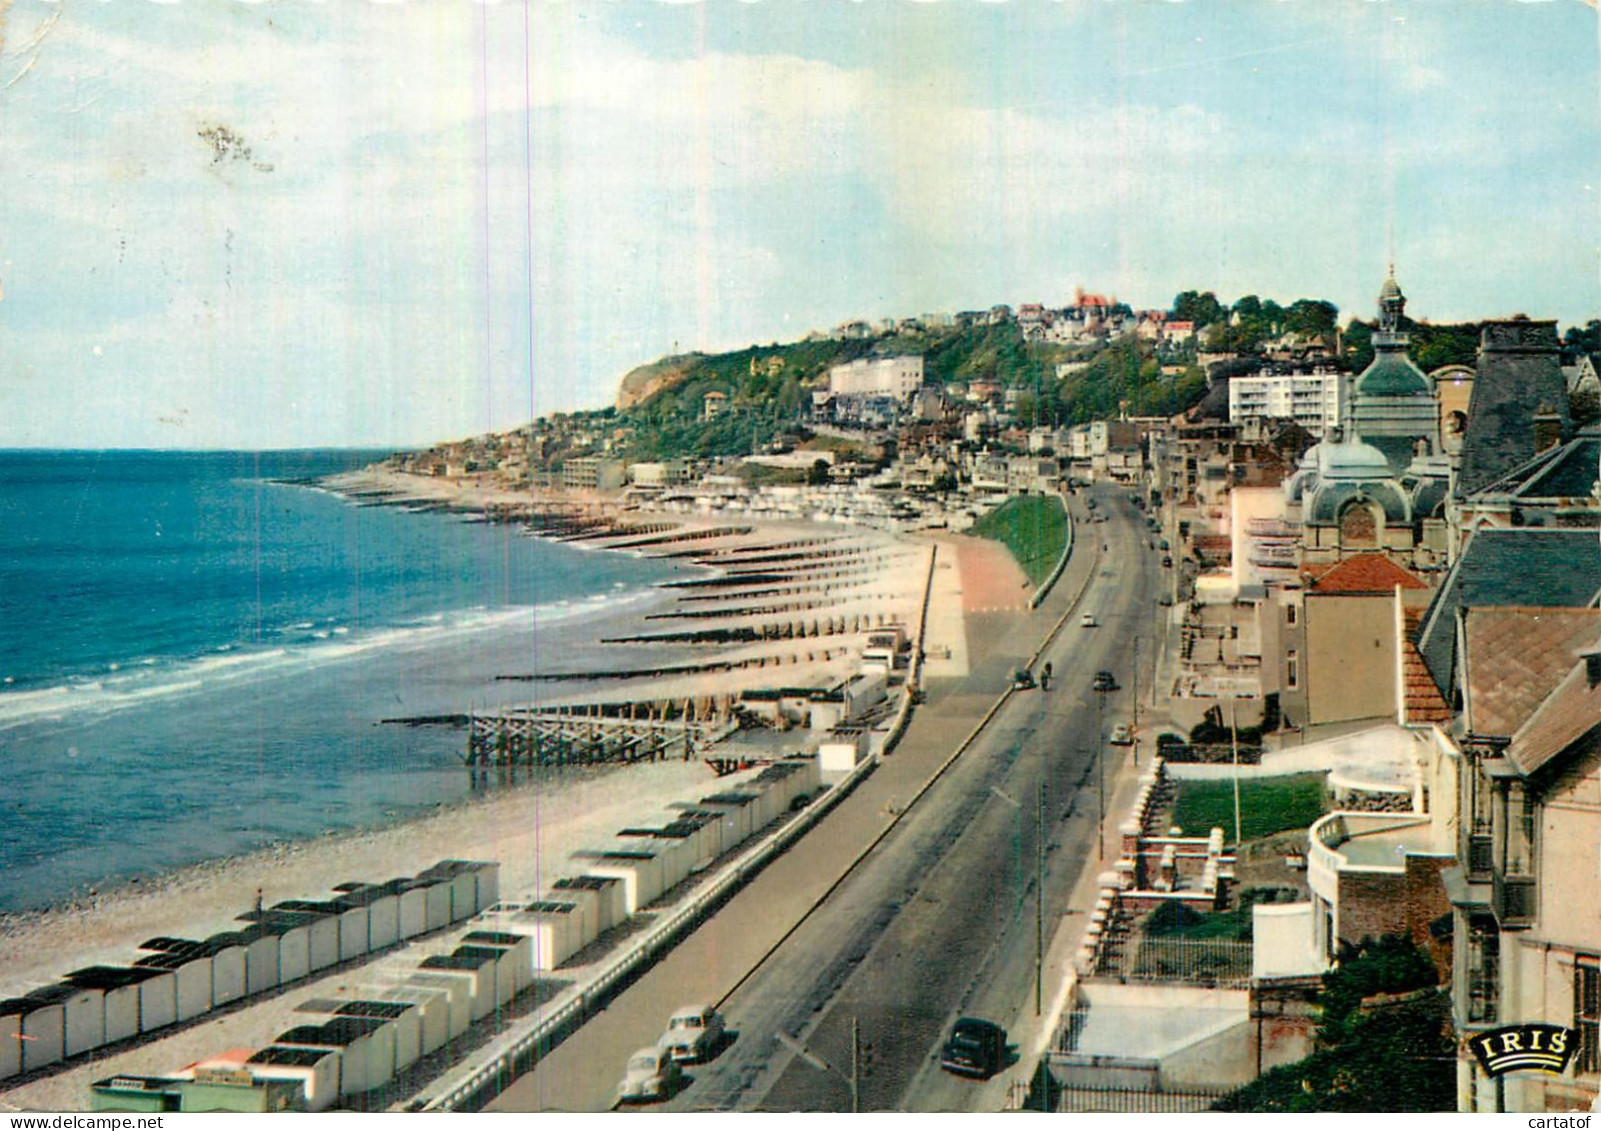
(1352, 502)
(1393, 404)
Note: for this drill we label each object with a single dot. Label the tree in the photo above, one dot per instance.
(817, 474)
(1311, 316)
(1201, 309)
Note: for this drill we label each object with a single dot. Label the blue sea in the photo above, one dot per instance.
(197, 657)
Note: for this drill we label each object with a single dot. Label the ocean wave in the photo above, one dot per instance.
(146, 679)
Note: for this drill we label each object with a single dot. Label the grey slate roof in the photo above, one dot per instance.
(1519, 370)
(1566, 471)
(1540, 568)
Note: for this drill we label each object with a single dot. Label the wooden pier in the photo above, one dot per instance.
(564, 737)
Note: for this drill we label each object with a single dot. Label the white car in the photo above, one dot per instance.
(693, 1033)
(1122, 735)
(1088, 621)
(651, 1075)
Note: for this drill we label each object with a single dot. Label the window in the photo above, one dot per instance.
(1292, 670)
(1484, 971)
(1587, 1011)
(1289, 614)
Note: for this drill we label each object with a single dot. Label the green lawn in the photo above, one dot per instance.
(1267, 805)
(1033, 528)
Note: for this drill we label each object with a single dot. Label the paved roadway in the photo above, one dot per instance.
(937, 919)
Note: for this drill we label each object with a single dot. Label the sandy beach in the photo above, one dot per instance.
(857, 579)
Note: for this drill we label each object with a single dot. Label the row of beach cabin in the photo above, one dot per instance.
(175, 980)
(421, 998)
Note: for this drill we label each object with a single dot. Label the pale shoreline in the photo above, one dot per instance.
(530, 829)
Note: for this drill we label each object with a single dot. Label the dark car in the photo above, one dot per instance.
(976, 1048)
(1104, 681)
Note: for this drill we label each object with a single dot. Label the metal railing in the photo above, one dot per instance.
(1088, 1098)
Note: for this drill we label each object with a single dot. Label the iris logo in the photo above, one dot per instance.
(1525, 1048)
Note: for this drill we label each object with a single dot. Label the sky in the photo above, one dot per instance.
(229, 224)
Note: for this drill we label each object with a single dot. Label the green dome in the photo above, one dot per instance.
(1351, 459)
(1392, 374)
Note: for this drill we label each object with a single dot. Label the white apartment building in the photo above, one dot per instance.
(899, 376)
(1317, 401)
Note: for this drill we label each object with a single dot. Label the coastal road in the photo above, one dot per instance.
(939, 916)
(939, 921)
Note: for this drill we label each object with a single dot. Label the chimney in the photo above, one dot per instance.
(1547, 428)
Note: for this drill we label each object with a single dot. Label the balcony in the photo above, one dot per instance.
(1481, 856)
(1514, 901)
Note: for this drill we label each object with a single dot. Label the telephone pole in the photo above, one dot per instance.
(1039, 903)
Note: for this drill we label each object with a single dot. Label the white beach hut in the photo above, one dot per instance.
(317, 1069)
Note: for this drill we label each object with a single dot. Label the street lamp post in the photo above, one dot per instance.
(1039, 885)
(1234, 749)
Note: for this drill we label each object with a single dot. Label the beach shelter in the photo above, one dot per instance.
(191, 977)
(315, 1068)
(457, 995)
(611, 907)
(476, 970)
(227, 969)
(40, 1028)
(412, 902)
(119, 989)
(517, 951)
(405, 1020)
(10, 1038)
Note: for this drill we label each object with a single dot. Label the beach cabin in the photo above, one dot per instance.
(721, 825)
(638, 867)
(315, 1068)
(383, 912)
(119, 990)
(430, 1006)
(585, 901)
(83, 1015)
(10, 1038)
(412, 900)
(366, 1047)
(436, 891)
(407, 1014)
(290, 920)
(675, 853)
(456, 992)
(518, 954)
(743, 808)
(610, 906)
(501, 963)
(41, 1030)
(403, 1018)
(227, 969)
(261, 956)
(294, 940)
(477, 971)
(555, 929)
(191, 978)
(462, 885)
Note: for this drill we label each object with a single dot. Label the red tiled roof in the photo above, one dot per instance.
(1421, 699)
(1515, 657)
(1566, 715)
(1367, 573)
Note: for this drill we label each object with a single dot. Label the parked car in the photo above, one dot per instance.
(1088, 621)
(1165, 601)
(1022, 679)
(1122, 735)
(975, 1048)
(1167, 560)
(693, 1033)
(651, 1075)
(1104, 681)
